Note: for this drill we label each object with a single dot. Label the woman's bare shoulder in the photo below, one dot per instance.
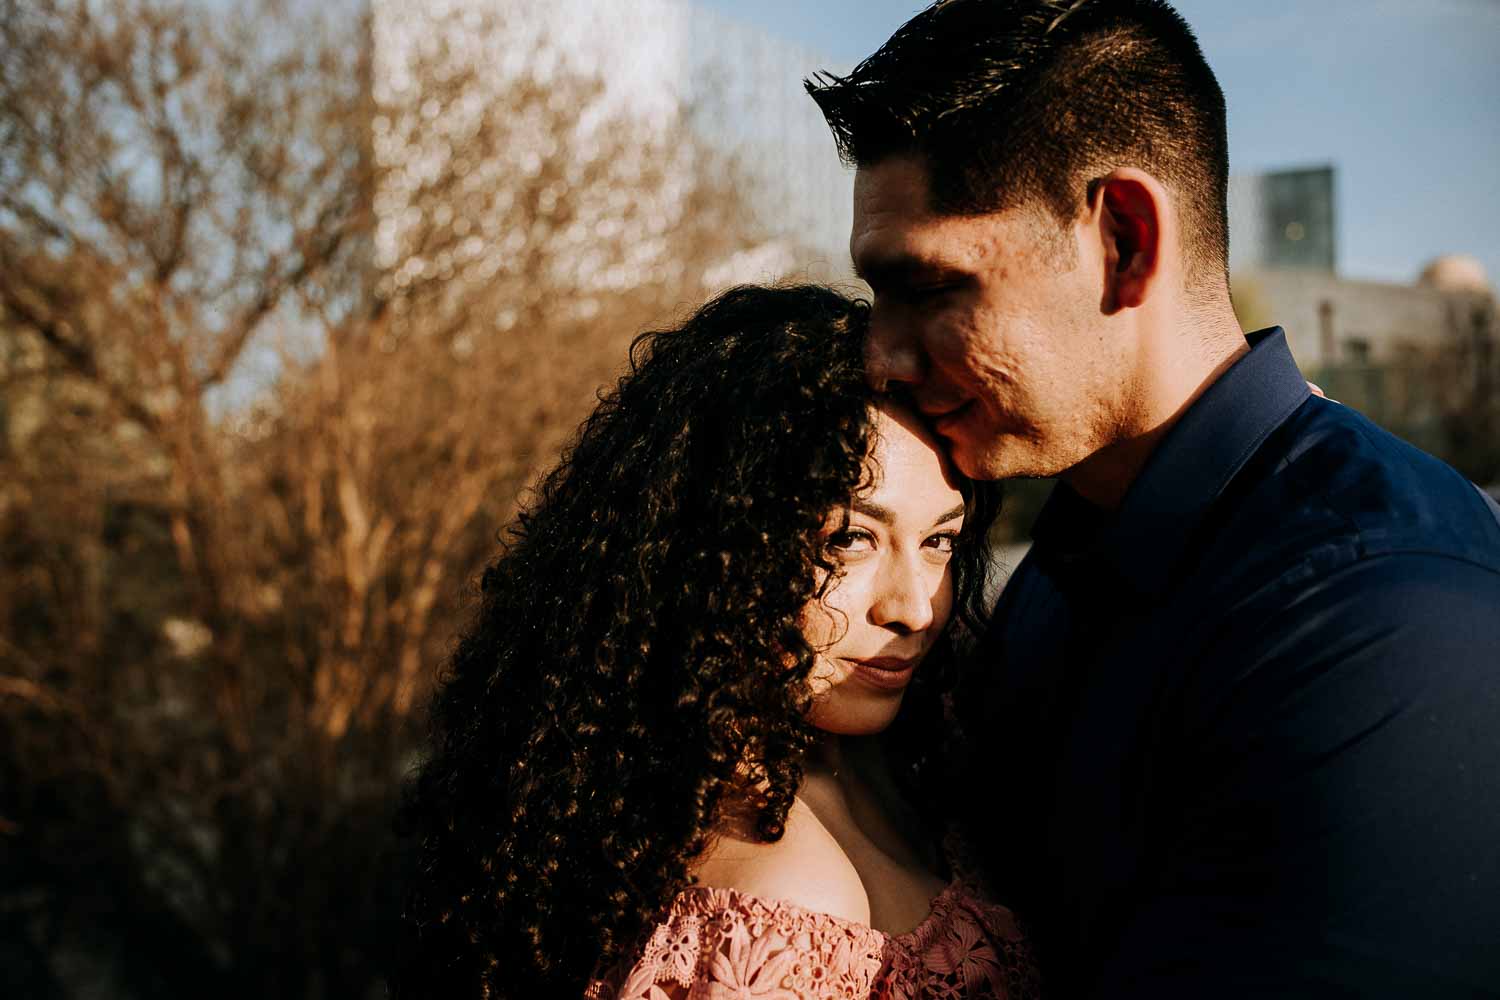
(806, 868)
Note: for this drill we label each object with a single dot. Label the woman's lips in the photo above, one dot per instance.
(887, 672)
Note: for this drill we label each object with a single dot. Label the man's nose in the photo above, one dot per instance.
(892, 356)
(903, 599)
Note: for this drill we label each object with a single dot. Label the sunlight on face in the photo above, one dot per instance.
(990, 324)
(895, 594)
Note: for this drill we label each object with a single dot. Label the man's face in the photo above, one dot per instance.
(992, 323)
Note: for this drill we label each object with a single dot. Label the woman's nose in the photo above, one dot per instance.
(904, 595)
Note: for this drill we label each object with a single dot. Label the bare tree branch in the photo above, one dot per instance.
(280, 347)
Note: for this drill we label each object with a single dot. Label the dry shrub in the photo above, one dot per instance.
(281, 343)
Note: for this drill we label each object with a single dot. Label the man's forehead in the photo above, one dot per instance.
(892, 221)
(896, 186)
(896, 229)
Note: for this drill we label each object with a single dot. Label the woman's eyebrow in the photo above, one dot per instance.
(950, 515)
(870, 508)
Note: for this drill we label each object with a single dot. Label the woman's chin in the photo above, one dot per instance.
(849, 716)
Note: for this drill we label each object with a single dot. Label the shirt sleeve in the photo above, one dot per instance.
(1341, 798)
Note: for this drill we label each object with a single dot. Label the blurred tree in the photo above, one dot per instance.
(283, 334)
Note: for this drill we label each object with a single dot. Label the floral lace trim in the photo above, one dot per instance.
(967, 949)
(722, 944)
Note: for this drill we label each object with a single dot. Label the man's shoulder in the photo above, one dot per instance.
(1330, 481)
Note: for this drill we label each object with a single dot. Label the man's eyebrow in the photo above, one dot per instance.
(893, 269)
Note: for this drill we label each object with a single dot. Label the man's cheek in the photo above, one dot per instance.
(946, 338)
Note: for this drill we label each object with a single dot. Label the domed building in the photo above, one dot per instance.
(1456, 273)
(1401, 353)
(1282, 242)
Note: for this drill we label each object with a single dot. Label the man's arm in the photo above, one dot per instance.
(1340, 833)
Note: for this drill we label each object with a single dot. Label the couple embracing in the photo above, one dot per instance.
(738, 716)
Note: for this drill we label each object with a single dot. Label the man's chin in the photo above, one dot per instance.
(979, 465)
(1001, 457)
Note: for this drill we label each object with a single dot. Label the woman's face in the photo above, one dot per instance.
(882, 616)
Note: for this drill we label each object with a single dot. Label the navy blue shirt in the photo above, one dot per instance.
(1244, 732)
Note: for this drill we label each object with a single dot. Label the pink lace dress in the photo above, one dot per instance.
(720, 944)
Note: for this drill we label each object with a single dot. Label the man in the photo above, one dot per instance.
(1240, 724)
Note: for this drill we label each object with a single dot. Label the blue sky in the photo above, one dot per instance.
(1402, 96)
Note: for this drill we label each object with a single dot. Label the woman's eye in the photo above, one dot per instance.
(851, 540)
(944, 542)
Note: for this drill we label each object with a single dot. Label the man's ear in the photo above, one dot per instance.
(1131, 207)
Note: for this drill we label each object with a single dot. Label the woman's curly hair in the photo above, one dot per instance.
(636, 660)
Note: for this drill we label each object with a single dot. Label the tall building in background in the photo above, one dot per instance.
(1402, 353)
(1284, 219)
(1283, 238)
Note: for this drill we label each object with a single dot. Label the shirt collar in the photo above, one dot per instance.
(1140, 545)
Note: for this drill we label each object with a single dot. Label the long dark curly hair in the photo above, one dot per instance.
(636, 662)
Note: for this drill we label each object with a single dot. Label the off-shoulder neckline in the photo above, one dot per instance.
(723, 895)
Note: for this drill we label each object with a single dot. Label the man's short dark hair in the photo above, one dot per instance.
(1007, 101)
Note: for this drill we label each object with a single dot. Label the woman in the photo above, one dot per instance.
(690, 741)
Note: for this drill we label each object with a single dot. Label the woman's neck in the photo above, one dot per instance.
(854, 799)
(827, 759)
(843, 764)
